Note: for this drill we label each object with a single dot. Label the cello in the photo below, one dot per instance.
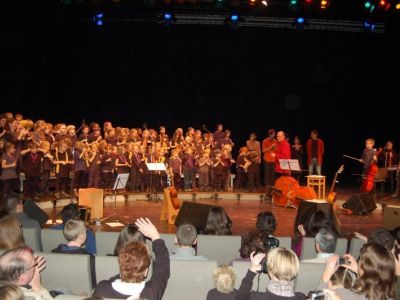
(288, 192)
(173, 192)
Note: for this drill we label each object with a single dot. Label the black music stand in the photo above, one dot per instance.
(154, 167)
(119, 184)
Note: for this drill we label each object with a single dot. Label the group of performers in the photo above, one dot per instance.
(93, 155)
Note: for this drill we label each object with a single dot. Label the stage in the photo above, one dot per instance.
(241, 207)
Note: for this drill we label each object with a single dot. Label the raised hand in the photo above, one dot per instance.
(147, 228)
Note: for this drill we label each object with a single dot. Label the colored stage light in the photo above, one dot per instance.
(324, 4)
(167, 18)
(252, 2)
(300, 20)
(368, 26)
(98, 19)
(234, 18)
(397, 6)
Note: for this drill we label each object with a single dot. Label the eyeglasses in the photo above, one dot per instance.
(31, 267)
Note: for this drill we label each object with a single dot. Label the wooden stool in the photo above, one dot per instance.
(317, 181)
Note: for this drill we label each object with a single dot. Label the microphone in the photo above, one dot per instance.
(145, 125)
(204, 127)
(83, 123)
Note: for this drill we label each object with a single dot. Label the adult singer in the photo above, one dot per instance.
(282, 151)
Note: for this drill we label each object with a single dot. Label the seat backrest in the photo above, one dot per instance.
(285, 242)
(190, 280)
(222, 248)
(51, 238)
(32, 238)
(105, 242)
(309, 277)
(355, 247)
(67, 272)
(308, 247)
(106, 267)
(241, 268)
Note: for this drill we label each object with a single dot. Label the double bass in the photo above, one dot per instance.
(173, 192)
(288, 192)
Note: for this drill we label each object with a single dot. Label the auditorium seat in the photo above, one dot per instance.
(32, 238)
(73, 297)
(222, 248)
(67, 272)
(105, 242)
(308, 247)
(241, 268)
(355, 247)
(190, 280)
(309, 277)
(51, 238)
(285, 242)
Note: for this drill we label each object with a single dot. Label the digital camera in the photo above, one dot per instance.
(271, 243)
(316, 295)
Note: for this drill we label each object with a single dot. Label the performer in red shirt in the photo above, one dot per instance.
(282, 152)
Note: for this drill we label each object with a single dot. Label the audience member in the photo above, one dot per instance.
(11, 292)
(18, 266)
(224, 279)
(10, 233)
(15, 207)
(134, 262)
(130, 233)
(185, 239)
(218, 222)
(282, 266)
(325, 245)
(376, 274)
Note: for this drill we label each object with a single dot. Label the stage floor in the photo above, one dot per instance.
(243, 211)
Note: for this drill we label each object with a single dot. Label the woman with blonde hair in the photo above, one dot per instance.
(10, 233)
(11, 292)
(224, 279)
(282, 266)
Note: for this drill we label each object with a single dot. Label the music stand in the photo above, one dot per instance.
(154, 167)
(119, 184)
(290, 165)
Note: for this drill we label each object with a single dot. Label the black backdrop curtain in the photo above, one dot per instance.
(60, 68)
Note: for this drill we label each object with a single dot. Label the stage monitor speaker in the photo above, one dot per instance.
(360, 204)
(33, 211)
(391, 216)
(193, 213)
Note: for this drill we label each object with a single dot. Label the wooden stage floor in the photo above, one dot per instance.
(242, 212)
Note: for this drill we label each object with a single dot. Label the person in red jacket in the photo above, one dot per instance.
(282, 151)
(315, 152)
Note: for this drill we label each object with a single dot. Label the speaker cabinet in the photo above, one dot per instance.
(391, 217)
(92, 198)
(193, 213)
(33, 211)
(360, 204)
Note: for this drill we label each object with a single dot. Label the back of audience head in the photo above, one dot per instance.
(16, 266)
(128, 234)
(325, 241)
(218, 223)
(186, 235)
(396, 235)
(342, 278)
(10, 233)
(282, 264)
(224, 279)
(134, 262)
(11, 292)
(266, 223)
(252, 242)
(69, 212)
(11, 203)
(383, 237)
(317, 221)
(75, 230)
(376, 270)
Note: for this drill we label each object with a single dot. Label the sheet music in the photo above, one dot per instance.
(156, 167)
(284, 164)
(294, 164)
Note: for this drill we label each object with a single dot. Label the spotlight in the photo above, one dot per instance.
(233, 20)
(167, 18)
(300, 23)
(252, 2)
(369, 26)
(264, 2)
(293, 4)
(369, 5)
(324, 4)
(98, 19)
(219, 3)
(397, 6)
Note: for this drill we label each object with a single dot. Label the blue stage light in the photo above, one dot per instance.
(234, 17)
